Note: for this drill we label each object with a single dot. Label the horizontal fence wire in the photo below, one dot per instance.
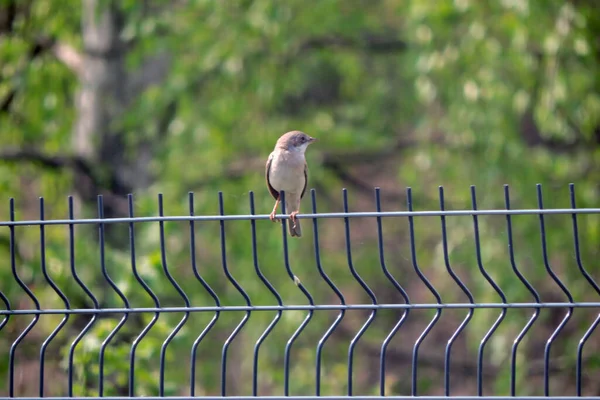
(248, 217)
(325, 397)
(95, 309)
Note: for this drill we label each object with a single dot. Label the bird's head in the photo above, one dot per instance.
(295, 141)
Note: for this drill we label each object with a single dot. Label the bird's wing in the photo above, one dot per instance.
(305, 179)
(274, 192)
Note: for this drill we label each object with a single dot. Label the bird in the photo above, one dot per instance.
(286, 171)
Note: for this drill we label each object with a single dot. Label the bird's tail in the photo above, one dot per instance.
(295, 229)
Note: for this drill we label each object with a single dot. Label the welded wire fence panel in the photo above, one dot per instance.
(466, 302)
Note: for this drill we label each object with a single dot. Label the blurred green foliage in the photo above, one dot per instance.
(400, 93)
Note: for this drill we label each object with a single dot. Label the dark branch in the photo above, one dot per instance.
(349, 179)
(36, 49)
(367, 156)
(56, 161)
(8, 13)
(371, 43)
(88, 183)
(533, 137)
(7, 101)
(63, 52)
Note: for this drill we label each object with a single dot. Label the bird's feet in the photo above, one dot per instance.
(272, 215)
(293, 217)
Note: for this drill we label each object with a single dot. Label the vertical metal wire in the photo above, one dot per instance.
(210, 291)
(271, 289)
(496, 288)
(87, 291)
(239, 289)
(588, 333)
(150, 293)
(292, 339)
(560, 284)
(464, 289)
(530, 288)
(365, 287)
(399, 288)
(119, 293)
(22, 285)
(334, 288)
(186, 300)
(7, 306)
(58, 292)
(438, 299)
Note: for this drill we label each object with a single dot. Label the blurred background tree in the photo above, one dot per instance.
(108, 97)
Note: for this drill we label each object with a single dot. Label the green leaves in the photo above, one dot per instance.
(400, 94)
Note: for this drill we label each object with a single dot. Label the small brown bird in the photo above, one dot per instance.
(287, 171)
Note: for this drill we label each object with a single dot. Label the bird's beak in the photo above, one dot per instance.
(312, 139)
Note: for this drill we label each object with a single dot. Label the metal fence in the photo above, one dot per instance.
(13, 311)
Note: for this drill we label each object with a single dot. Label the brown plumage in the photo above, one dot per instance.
(286, 171)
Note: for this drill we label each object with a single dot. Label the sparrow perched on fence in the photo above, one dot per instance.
(286, 171)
